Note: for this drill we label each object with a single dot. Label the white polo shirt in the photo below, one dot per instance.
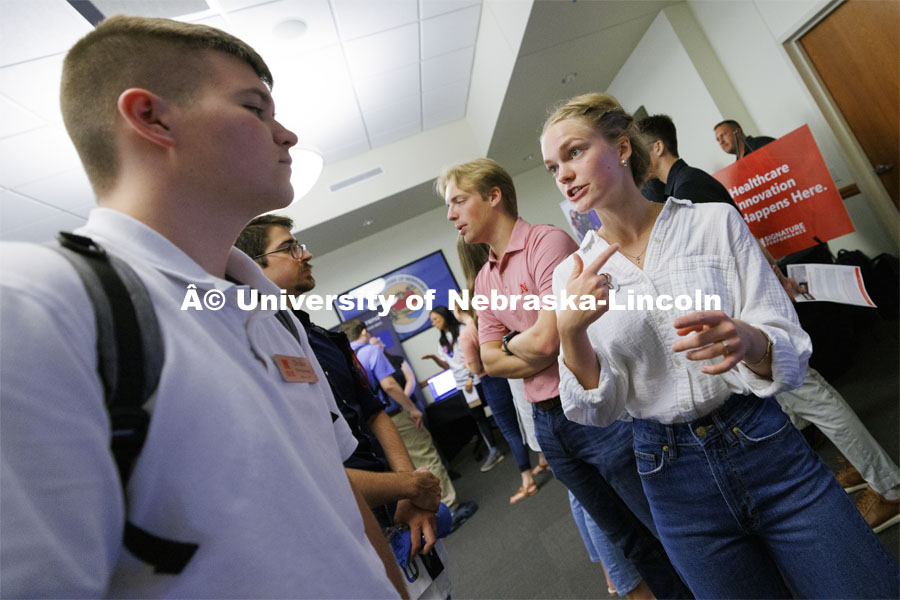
(237, 460)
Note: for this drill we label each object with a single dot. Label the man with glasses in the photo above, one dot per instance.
(268, 240)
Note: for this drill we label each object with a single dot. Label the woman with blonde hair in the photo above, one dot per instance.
(743, 506)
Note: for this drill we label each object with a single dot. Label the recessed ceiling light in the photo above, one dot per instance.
(569, 78)
(367, 222)
(528, 157)
(290, 29)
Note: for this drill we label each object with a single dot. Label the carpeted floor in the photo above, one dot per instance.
(533, 549)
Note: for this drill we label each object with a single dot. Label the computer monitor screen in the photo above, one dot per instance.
(442, 385)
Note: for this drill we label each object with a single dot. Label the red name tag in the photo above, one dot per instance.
(295, 369)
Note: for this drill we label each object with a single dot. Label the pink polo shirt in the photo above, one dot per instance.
(526, 268)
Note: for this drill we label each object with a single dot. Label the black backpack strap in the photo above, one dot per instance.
(285, 318)
(130, 357)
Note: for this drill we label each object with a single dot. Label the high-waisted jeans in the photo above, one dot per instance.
(746, 509)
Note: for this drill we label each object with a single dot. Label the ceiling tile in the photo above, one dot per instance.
(26, 220)
(443, 69)
(381, 91)
(356, 18)
(449, 32)
(444, 105)
(69, 191)
(35, 84)
(59, 26)
(216, 21)
(228, 5)
(314, 99)
(15, 119)
(334, 154)
(433, 8)
(16, 211)
(382, 52)
(256, 26)
(44, 230)
(36, 154)
(150, 8)
(395, 135)
(403, 111)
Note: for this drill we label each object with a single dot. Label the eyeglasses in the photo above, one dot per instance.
(296, 249)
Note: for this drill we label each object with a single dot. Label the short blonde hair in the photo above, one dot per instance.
(481, 175)
(605, 115)
(159, 55)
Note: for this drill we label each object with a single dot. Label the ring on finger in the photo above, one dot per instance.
(609, 281)
(725, 347)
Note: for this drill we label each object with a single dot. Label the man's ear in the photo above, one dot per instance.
(147, 115)
(495, 197)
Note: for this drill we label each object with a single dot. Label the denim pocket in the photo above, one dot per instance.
(764, 429)
(649, 465)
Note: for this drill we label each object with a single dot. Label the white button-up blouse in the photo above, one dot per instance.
(694, 251)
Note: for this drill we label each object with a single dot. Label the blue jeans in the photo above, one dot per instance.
(495, 391)
(597, 465)
(621, 572)
(745, 509)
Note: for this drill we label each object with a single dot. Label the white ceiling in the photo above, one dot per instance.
(366, 74)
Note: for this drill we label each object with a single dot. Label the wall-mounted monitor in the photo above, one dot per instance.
(431, 272)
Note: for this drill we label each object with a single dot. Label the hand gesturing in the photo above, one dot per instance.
(587, 281)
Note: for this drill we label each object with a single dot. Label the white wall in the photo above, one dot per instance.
(670, 72)
(660, 76)
(343, 269)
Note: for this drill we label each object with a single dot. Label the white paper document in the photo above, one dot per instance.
(472, 398)
(830, 283)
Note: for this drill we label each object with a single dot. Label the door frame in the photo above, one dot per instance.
(869, 183)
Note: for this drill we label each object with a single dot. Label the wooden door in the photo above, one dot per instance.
(856, 51)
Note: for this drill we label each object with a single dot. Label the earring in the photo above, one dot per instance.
(624, 163)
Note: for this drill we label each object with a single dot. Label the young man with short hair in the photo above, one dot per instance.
(175, 126)
(596, 464)
(681, 180)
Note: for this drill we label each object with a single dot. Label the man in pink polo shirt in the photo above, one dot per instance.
(596, 464)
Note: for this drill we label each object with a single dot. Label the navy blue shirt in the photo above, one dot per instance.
(351, 392)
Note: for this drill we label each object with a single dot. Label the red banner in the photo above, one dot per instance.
(786, 194)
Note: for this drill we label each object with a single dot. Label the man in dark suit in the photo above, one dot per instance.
(678, 178)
